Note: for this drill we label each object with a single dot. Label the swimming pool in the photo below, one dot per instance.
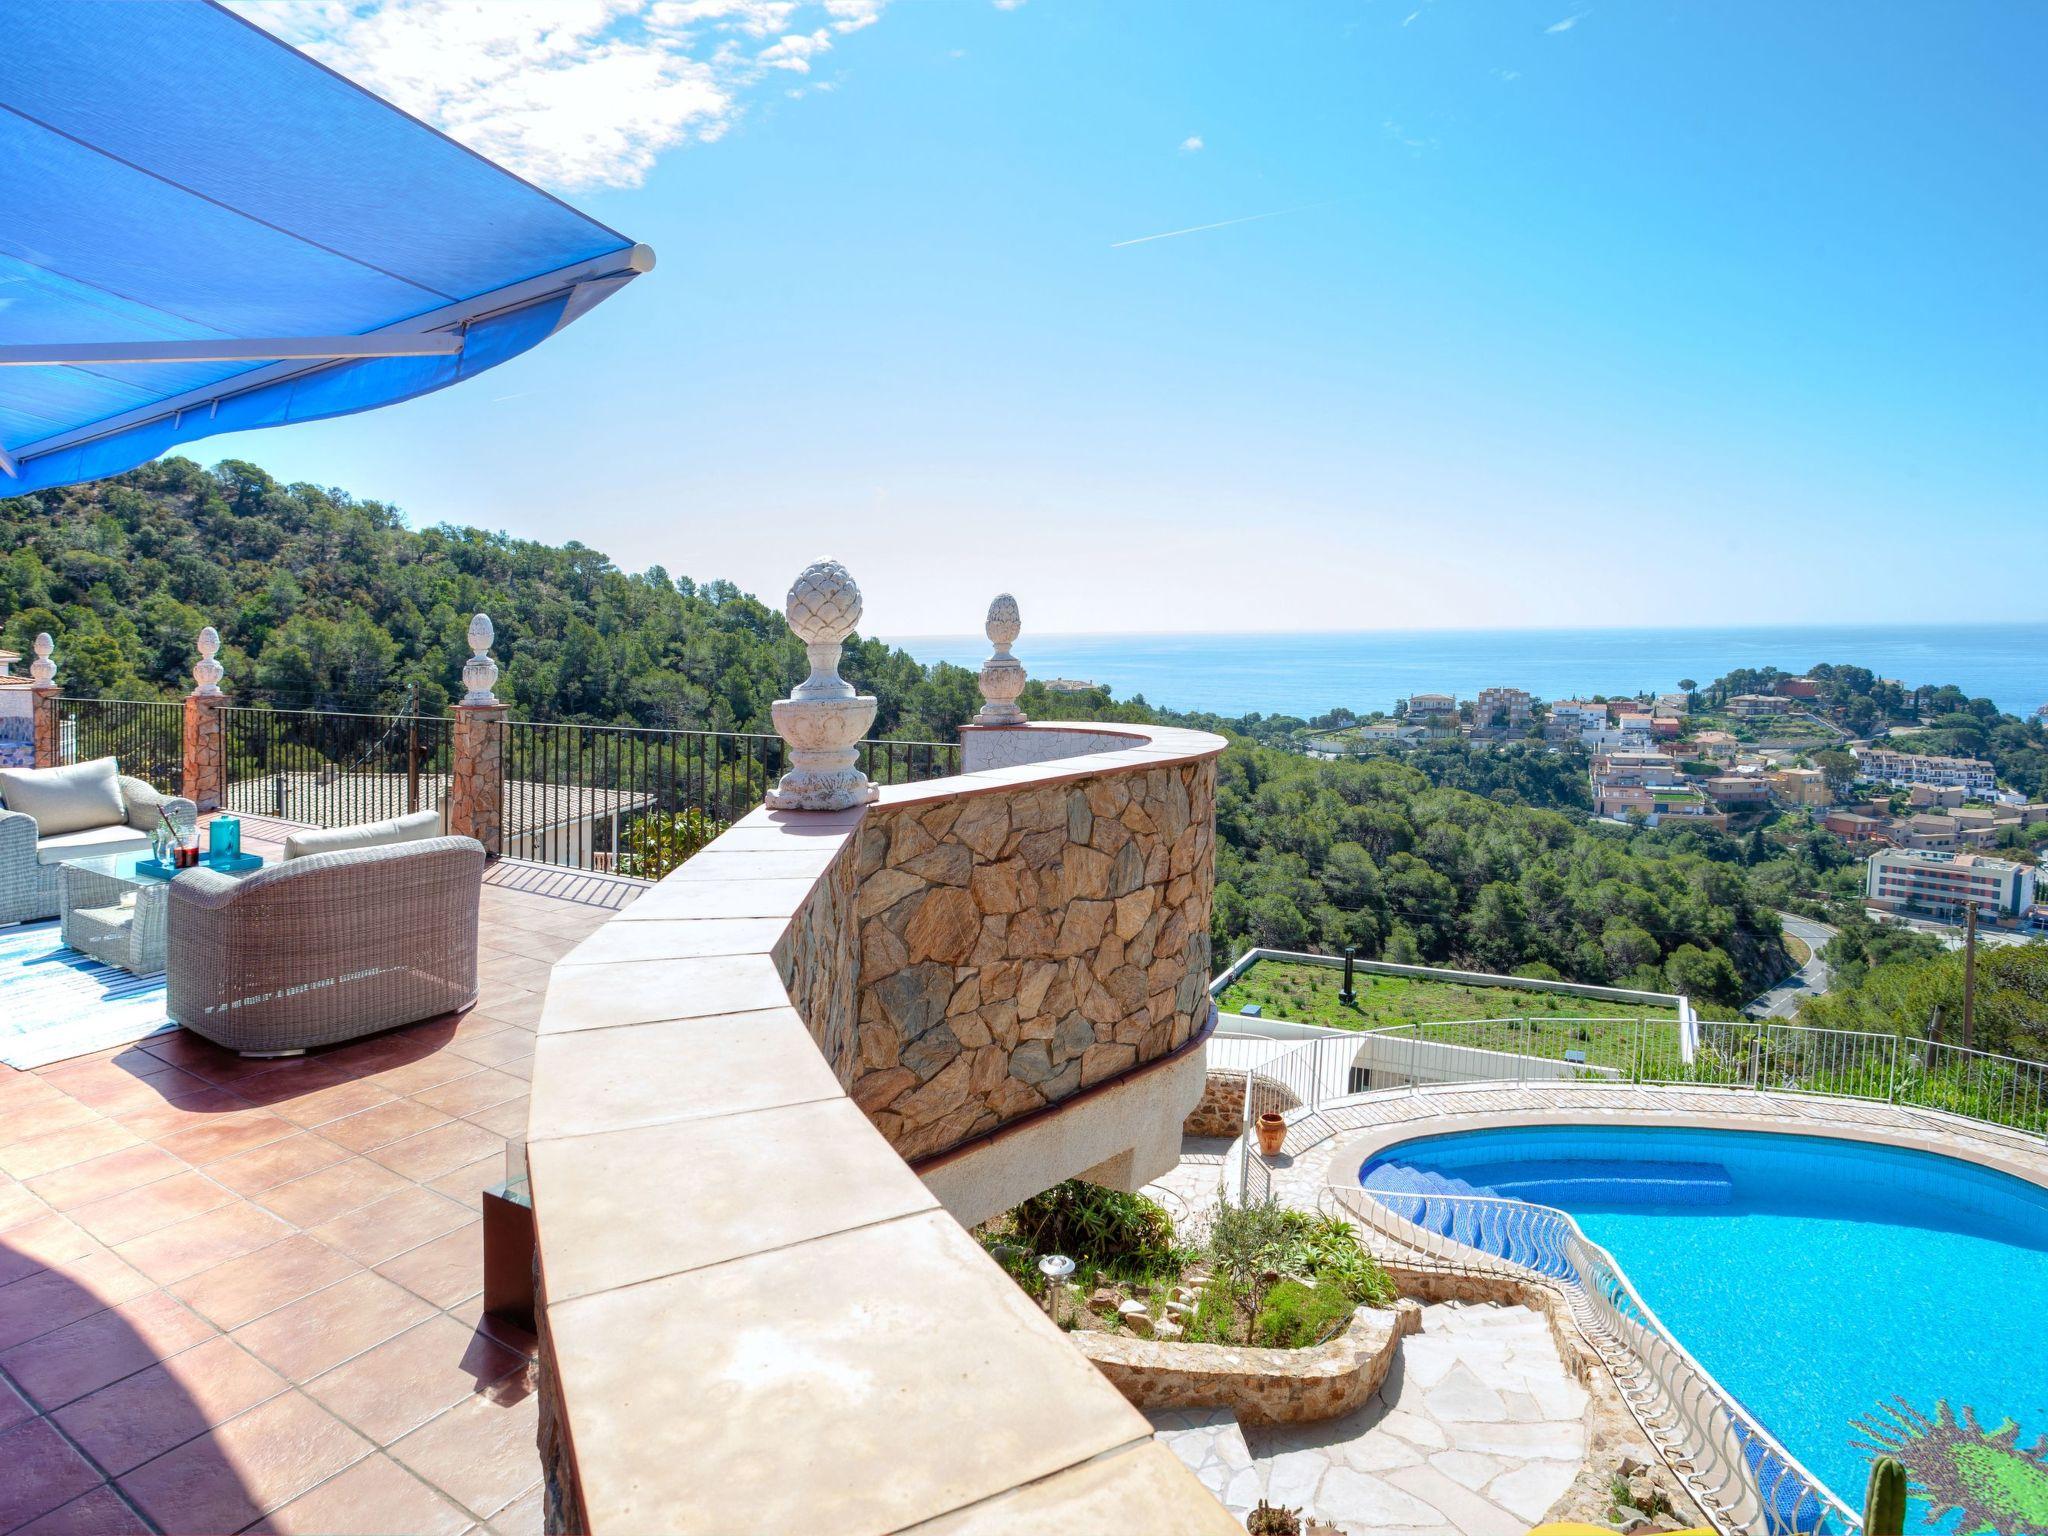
(1841, 1291)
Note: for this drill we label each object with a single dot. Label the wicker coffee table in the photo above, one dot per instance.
(115, 913)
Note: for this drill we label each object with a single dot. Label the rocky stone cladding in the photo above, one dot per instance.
(476, 780)
(203, 782)
(1018, 946)
(1260, 1386)
(818, 958)
(1221, 1111)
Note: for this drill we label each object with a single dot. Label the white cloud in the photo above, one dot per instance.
(1006, 5)
(1507, 74)
(1567, 24)
(795, 51)
(1191, 143)
(573, 94)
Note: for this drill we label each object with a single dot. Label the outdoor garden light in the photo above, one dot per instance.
(1348, 996)
(1055, 1267)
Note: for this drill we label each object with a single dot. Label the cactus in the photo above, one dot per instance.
(1273, 1520)
(1884, 1501)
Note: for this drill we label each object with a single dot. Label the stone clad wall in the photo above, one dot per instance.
(1221, 1111)
(817, 959)
(1020, 944)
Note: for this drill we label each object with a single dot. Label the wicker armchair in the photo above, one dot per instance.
(325, 948)
(28, 863)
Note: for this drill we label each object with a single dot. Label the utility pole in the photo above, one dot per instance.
(1349, 995)
(1969, 975)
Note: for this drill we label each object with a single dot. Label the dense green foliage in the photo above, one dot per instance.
(1104, 1229)
(1325, 854)
(324, 601)
(1902, 995)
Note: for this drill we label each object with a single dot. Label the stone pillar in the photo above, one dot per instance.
(476, 786)
(48, 729)
(823, 719)
(1002, 675)
(204, 781)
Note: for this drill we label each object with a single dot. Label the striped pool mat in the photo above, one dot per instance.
(56, 1003)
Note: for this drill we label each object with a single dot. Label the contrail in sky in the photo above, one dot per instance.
(1250, 218)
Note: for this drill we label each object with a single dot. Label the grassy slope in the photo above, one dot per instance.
(1307, 994)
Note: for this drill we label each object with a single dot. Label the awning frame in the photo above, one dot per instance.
(586, 281)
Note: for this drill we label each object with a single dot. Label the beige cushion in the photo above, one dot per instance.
(66, 799)
(91, 843)
(373, 834)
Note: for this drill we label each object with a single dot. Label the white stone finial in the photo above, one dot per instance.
(43, 670)
(480, 672)
(823, 719)
(1002, 675)
(207, 672)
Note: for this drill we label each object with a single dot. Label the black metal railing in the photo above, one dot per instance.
(146, 737)
(627, 799)
(330, 768)
(638, 800)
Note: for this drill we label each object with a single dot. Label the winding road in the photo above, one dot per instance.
(1810, 980)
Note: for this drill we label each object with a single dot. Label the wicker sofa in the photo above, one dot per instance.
(29, 858)
(326, 947)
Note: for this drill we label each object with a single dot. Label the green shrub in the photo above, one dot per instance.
(1294, 1315)
(1216, 1313)
(1107, 1229)
(1249, 1241)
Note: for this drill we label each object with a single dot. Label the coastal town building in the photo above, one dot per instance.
(1425, 704)
(1853, 826)
(1503, 708)
(1713, 746)
(1677, 705)
(1796, 688)
(1800, 786)
(1739, 789)
(1934, 796)
(1925, 831)
(1758, 706)
(1390, 733)
(1574, 717)
(1975, 777)
(1944, 884)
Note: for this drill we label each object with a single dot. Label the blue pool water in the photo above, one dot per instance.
(1816, 1279)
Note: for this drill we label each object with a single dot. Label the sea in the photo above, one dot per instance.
(1310, 674)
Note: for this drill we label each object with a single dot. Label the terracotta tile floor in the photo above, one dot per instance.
(245, 1295)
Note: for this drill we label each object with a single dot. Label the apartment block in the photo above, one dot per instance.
(1944, 884)
(1515, 704)
(1739, 789)
(1758, 706)
(1975, 777)
(1801, 786)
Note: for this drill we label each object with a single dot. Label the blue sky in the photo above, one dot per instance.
(1564, 314)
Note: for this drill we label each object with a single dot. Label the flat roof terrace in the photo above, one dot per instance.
(246, 1295)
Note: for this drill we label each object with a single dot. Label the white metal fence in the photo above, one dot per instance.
(1753, 1484)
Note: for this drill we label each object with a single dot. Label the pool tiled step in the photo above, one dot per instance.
(1528, 1237)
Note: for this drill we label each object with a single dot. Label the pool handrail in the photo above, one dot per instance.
(1720, 1426)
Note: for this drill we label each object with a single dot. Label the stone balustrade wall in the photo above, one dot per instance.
(753, 1314)
(1021, 944)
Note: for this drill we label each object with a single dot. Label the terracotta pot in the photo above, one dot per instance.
(1272, 1132)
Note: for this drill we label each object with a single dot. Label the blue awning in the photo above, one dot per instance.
(202, 230)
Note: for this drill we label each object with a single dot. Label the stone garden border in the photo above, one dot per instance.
(1260, 1386)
